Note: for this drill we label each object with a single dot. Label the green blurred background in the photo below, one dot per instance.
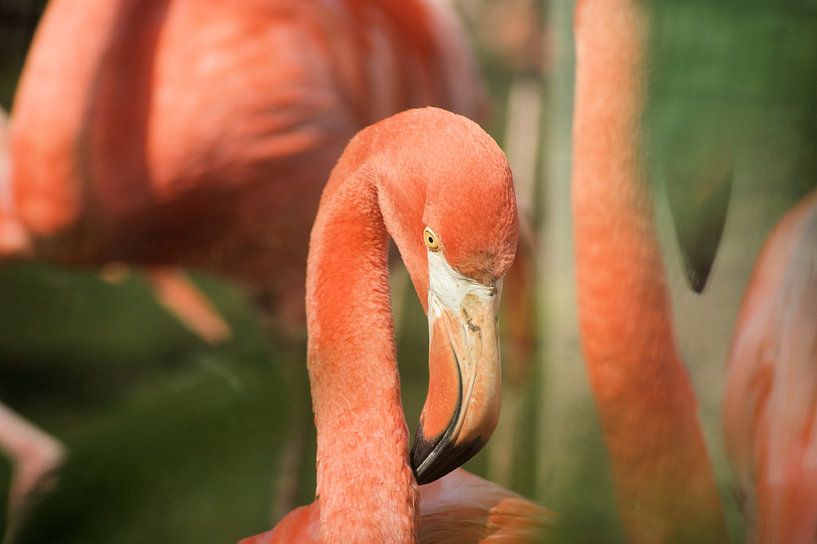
(172, 440)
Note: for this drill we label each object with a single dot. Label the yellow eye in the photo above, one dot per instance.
(431, 239)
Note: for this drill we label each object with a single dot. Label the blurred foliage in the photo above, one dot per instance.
(160, 428)
(726, 78)
(18, 20)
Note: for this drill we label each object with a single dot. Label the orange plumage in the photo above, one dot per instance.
(665, 487)
(200, 133)
(420, 169)
(770, 405)
(459, 508)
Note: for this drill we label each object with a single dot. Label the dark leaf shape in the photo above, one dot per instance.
(698, 194)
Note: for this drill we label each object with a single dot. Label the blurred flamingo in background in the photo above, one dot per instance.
(13, 237)
(35, 454)
(664, 484)
(442, 189)
(770, 406)
(199, 133)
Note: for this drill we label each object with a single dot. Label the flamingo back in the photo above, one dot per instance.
(463, 508)
(459, 508)
(200, 132)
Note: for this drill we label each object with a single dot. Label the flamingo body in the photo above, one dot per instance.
(200, 133)
(442, 190)
(459, 508)
(770, 408)
(420, 168)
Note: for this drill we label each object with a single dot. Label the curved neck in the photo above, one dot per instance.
(366, 489)
(664, 483)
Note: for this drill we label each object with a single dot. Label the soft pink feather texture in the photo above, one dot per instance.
(664, 484)
(201, 132)
(459, 508)
(420, 168)
(770, 407)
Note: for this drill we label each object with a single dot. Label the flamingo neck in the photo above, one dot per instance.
(664, 483)
(366, 489)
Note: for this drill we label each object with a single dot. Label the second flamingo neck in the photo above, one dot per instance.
(623, 294)
(664, 484)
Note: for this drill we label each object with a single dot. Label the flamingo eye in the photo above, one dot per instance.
(431, 239)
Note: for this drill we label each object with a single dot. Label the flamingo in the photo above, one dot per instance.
(441, 188)
(199, 133)
(664, 486)
(459, 508)
(770, 404)
(171, 287)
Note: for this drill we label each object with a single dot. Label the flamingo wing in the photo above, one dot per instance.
(463, 508)
(460, 508)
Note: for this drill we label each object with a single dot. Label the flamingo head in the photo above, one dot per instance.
(458, 242)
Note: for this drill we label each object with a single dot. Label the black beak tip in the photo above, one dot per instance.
(421, 450)
(433, 459)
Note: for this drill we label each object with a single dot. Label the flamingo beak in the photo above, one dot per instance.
(462, 407)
